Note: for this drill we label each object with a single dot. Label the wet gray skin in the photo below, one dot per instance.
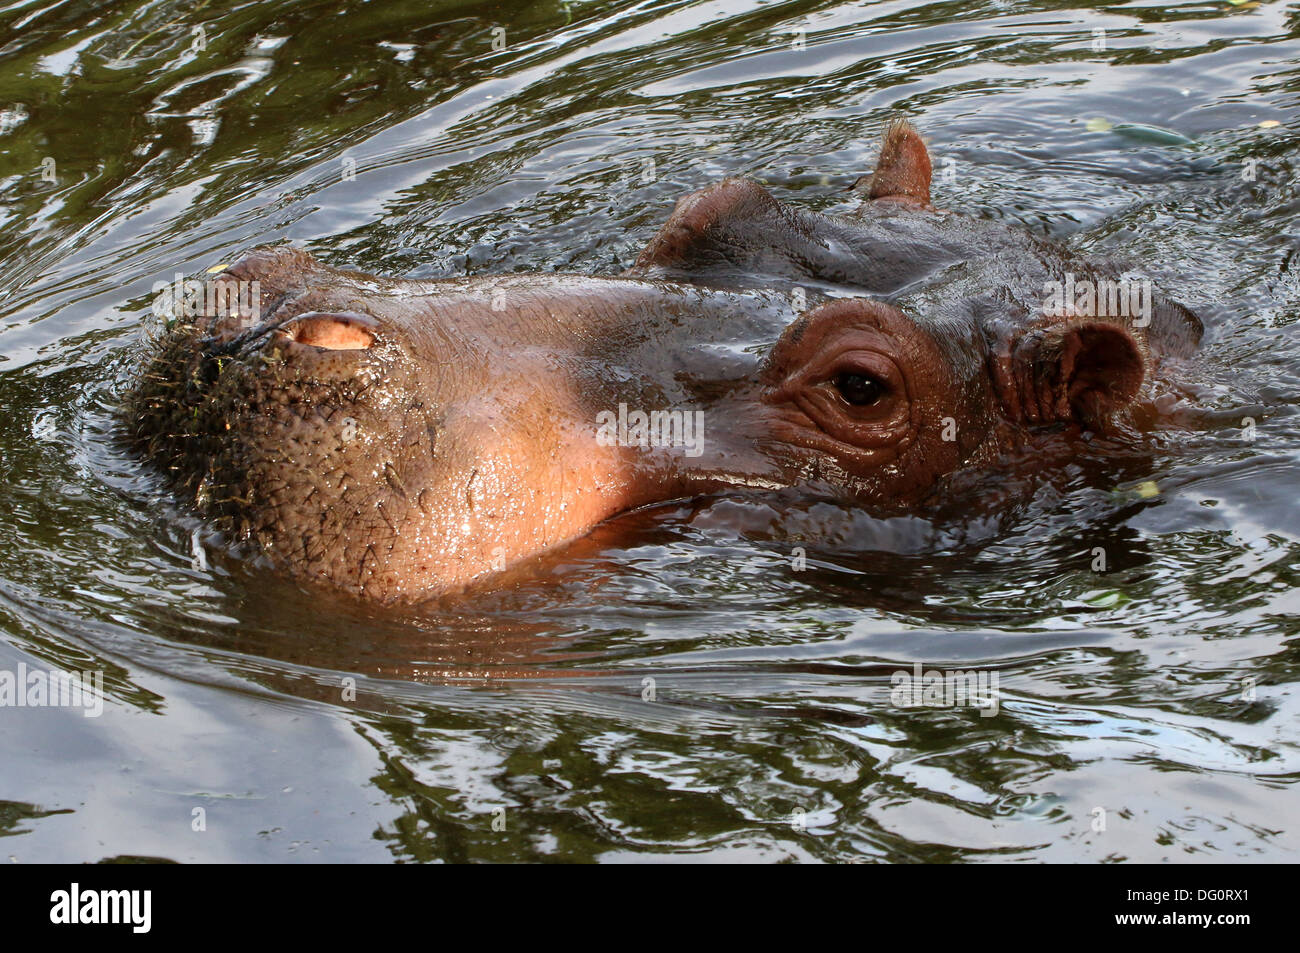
(404, 439)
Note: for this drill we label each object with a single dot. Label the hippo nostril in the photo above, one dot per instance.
(333, 331)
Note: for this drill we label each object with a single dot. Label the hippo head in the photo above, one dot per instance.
(401, 439)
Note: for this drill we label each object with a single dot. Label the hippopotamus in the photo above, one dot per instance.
(402, 439)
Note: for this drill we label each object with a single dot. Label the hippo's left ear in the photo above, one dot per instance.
(903, 170)
(1081, 371)
(727, 223)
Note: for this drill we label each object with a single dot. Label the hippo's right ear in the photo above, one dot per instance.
(1080, 371)
(903, 169)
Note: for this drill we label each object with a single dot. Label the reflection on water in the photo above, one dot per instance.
(670, 684)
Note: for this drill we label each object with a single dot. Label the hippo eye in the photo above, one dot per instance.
(859, 390)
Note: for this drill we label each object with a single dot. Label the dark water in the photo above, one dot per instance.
(1162, 691)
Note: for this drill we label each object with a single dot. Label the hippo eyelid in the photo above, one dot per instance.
(332, 330)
